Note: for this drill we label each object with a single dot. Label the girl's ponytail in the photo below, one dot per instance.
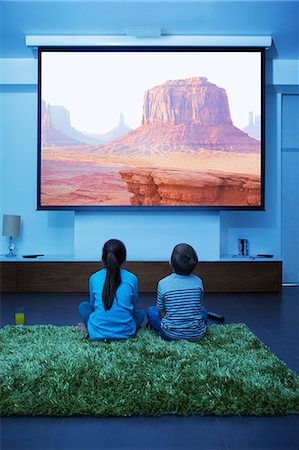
(113, 256)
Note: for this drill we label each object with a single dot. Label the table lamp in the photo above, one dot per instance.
(11, 228)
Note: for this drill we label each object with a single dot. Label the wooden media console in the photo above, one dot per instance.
(72, 276)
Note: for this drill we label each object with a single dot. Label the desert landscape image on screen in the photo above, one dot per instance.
(150, 129)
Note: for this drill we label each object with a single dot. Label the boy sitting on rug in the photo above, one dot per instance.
(179, 312)
(112, 312)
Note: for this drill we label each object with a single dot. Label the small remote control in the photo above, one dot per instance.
(215, 316)
(31, 256)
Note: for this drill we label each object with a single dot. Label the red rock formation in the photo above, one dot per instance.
(190, 101)
(183, 115)
(154, 187)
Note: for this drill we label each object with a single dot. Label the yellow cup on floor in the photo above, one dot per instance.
(19, 316)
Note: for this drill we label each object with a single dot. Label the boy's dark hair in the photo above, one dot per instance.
(183, 259)
(113, 256)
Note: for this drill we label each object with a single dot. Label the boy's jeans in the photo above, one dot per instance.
(154, 319)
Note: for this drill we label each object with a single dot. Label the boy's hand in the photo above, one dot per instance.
(162, 314)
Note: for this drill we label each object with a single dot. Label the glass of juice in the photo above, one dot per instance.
(19, 316)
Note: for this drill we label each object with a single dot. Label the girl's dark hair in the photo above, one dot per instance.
(113, 256)
(183, 259)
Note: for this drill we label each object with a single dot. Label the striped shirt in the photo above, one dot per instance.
(180, 296)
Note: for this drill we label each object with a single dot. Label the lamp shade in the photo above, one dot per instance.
(11, 225)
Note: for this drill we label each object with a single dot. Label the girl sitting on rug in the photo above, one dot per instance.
(112, 312)
(179, 312)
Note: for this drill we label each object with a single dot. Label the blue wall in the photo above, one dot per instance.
(290, 187)
(41, 232)
(148, 236)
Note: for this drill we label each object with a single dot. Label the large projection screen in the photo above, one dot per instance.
(162, 127)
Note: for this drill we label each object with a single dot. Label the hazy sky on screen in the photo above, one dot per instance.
(95, 87)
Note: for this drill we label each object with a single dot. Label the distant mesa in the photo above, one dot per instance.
(115, 133)
(61, 121)
(51, 135)
(253, 128)
(57, 129)
(181, 116)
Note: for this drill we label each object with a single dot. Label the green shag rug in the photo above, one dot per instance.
(57, 371)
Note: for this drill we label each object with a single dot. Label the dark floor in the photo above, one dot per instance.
(273, 318)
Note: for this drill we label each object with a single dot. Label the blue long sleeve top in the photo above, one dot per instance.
(117, 322)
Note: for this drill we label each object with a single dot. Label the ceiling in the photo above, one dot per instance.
(279, 19)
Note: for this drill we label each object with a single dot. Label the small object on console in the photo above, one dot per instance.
(31, 256)
(261, 256)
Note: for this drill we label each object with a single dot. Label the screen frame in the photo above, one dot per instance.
(149, 48)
